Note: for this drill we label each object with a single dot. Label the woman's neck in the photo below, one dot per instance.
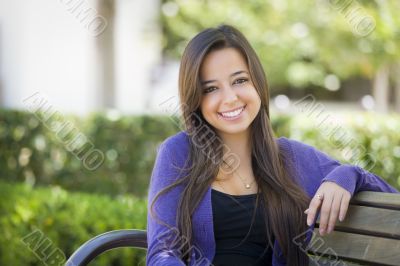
(238, 144)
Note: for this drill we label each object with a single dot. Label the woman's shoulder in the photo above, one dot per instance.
(179, 145)
(180, 141)
(306, 155)
(294, 145)
(299, 151)
(176, 145)
(177, 141)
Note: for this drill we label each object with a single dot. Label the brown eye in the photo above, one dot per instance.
(209, 89)
(240, 81)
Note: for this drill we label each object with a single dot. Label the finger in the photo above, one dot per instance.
(313, 208)
(344, 205)
(333, 216)
(325, 212)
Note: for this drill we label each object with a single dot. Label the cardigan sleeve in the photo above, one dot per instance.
(351, 177)
(162, 240)
(315, 167)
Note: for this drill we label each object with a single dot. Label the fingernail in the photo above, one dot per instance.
(306, 211)
(329, 230)
(321, 231)
(341, 218)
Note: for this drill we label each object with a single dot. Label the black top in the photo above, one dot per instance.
(232, 215)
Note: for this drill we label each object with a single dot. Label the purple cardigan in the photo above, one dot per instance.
(313, 167)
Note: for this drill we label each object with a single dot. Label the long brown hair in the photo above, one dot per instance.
(282, 200)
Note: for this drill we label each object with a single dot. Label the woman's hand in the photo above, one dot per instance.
(334, 200)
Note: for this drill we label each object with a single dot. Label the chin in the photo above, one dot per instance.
(233, 130)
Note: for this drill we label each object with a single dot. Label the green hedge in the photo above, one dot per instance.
(65, 220)
(68, 219)
(31, 151)
(369, 140)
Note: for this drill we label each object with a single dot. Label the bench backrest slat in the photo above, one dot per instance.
(377, 199)
(362, 248)
(371, 221)
(370, 234)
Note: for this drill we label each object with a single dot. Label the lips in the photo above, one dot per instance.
(233, 114)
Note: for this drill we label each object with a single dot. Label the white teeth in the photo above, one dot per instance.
(232, 114)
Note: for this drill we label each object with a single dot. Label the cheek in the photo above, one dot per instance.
(208, 106)
(255, 95)
(205, 110)
(250, 95)
(257, 99)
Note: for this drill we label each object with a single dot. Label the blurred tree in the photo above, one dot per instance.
(301, 44)
(103, 58)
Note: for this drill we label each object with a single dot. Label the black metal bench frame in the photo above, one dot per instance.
(360, 223)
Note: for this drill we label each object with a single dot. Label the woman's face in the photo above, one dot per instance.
(230, 102)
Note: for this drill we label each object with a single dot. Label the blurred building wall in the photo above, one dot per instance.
(47, 46)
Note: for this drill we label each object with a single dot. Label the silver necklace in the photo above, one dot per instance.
(246, 185)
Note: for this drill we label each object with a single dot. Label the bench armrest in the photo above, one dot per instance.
(109, 240)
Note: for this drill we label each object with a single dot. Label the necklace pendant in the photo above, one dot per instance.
(247, 185)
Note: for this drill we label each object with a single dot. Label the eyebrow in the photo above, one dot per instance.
(233, 74)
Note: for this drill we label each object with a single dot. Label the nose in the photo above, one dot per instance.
(229, 95)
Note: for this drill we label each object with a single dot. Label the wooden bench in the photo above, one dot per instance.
(370, 235)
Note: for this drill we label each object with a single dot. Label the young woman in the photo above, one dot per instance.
(225, 191)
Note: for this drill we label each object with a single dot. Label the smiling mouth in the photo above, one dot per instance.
(233, 114)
